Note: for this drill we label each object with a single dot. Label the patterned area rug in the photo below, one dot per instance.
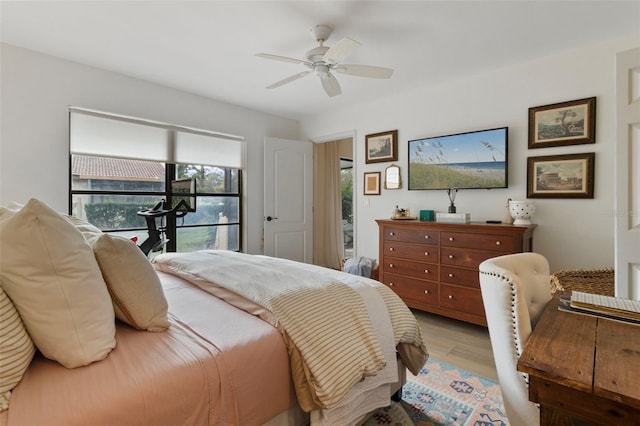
(442, 394)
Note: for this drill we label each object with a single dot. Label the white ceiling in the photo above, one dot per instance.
(208, 47)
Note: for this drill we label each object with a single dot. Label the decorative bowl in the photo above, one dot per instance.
(521, 211)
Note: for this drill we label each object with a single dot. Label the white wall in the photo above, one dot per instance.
(571, 233)
(36, 91)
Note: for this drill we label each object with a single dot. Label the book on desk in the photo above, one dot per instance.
(615, 308)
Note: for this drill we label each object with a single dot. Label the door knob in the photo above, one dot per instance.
(269, 218)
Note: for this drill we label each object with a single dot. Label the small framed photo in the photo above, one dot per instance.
(372, 183)
(381, 147)
(564, 123)
(561, 176)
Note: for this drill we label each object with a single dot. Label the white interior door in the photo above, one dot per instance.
(627, 211)
(288, 199)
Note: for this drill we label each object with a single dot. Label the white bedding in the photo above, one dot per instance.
(372, 392)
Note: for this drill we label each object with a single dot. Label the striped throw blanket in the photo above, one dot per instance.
(324, 322)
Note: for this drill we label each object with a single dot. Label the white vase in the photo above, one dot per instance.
(521, 211)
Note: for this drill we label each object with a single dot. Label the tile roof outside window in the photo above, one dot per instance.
(88, 167)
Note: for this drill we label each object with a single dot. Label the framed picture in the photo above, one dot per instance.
(381, 147)
(372, 183)
(561, 176)
(564, 123)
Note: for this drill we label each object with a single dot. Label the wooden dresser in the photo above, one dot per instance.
(433, 266)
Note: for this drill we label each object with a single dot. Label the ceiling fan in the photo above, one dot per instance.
(323, 60)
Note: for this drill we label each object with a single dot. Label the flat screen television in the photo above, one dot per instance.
(183, 194)
(471, 160)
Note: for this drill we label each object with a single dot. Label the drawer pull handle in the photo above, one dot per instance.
(426, 292)
(450, 256)
(426, 271)
(392, 233)
(451, 297)
(450, 275)
(427, 237)
(497, 243)
(450, 238)
(391, 265)
(426, 253)
(390, 284)
(391, 248)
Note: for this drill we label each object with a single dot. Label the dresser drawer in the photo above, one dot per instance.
(426, 271)
(424, 253)
(501, 243)
(411, 235)
(459, 276)
(464, 257)
(461, 299)
(413, 289)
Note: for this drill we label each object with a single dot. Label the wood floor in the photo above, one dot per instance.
(458, 343)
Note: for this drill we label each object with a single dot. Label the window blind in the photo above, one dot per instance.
(191, 148)
(100, 134)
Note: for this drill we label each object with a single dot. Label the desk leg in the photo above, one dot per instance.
(564, 406)
(553, 417)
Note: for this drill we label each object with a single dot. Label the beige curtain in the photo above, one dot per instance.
(328, 239)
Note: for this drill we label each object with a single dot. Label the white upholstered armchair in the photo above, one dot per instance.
(515, 290)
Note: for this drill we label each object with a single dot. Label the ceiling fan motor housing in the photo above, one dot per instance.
(316, 54)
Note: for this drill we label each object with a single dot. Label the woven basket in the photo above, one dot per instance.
(596, 281)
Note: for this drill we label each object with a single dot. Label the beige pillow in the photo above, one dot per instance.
(53, 279)
(7, 213)
(88, 231)
(16, 349)
(134, 286)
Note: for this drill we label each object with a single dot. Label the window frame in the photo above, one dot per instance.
(172, 223)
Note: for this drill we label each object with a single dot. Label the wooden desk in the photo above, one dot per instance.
(583, 369)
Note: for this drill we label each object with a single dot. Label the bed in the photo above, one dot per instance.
(215, 355)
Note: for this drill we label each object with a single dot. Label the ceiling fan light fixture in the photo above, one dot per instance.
(322, 70)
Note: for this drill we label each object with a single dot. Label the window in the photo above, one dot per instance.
(216, 221)
(121, 165)
(346, 184)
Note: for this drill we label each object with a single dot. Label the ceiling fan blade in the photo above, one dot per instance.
(288, 79)
(330, 85)
(340, 50)
(283, 58)
(364, 71)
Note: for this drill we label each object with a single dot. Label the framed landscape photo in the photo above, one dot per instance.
(564, 123)
(561, 176)
(372, 183)
(380, 147)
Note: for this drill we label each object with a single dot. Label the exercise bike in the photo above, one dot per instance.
(156, 240)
